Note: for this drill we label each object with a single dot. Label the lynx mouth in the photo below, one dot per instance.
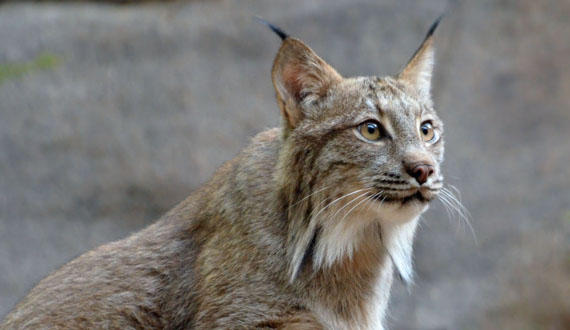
(418, 196)
(423, 195)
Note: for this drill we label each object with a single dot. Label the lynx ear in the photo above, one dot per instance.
(417, 73)
(300, 77)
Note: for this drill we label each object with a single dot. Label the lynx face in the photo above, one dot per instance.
(378, 137)
(359, 154)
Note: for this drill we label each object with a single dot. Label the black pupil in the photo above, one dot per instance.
(371, 128)
(425, 129)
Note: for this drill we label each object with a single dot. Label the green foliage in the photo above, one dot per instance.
(44, 61)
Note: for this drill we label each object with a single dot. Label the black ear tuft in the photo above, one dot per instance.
(434, 26)
(274, 28)
(419, 69)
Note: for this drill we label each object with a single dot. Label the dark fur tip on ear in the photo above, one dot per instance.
(274, 28)
(434, 26)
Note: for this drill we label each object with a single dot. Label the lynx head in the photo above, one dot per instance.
(359, 154)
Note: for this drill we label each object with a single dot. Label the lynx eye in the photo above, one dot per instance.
(428, 133)
(370, 130)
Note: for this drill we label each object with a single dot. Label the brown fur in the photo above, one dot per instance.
(264, 243)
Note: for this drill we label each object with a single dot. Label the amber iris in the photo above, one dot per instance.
(428, 133)
(370, 130)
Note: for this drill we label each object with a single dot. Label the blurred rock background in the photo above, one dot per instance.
(111, 114)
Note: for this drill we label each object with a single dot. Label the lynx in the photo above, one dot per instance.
(304, 229)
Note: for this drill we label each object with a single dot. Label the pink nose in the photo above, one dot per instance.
(421, 172)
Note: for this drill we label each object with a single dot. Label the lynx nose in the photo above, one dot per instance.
(421, 172)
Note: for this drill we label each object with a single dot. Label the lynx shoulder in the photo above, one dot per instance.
(302, 230)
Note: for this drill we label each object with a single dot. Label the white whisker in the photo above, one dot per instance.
(451, 202)
(336, 201)
(374, 197)
(308, 196)
(355, 206)
(445, 204)
(347, 204)
(380, 204)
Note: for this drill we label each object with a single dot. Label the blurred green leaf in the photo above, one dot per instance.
(44, 61)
